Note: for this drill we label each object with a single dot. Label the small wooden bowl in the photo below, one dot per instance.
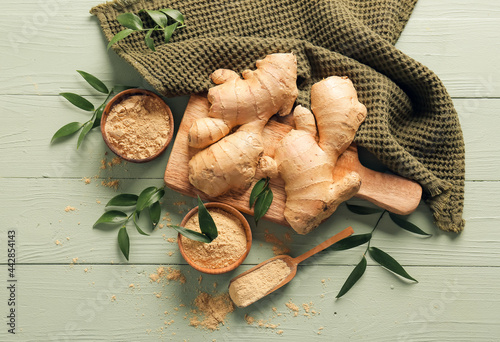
(117, 99)
(230, 210)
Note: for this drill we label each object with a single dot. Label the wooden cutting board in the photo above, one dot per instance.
(391, 192)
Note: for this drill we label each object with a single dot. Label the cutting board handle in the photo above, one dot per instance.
(394, 193)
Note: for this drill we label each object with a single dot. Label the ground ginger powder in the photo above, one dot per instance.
(255, 285)
(138, 127)
(214, 310)
(224, 250)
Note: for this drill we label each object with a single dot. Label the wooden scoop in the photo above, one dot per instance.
(292, 263)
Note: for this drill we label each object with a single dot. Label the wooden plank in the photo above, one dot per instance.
(450, 9)
(481, 138)
(455, 50)
(27, 132)
(53, 31)
(36, 208)
(30, 122)
(458, 59)
(66, 303)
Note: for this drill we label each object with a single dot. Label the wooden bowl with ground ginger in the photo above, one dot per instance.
(224, 253)
(137, 125)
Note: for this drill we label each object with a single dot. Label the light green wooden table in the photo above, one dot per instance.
(80, 289)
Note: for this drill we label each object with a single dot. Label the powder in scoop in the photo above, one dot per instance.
(138, 127)
(225, 249)
(254, 285)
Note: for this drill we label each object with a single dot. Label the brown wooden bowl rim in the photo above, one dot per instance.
(248, 233)
(116, 99)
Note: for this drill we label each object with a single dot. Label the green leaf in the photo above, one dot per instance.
(155, 213)
(130, 20)
(207, 224)
(193, 235)
(98, 116)
(356, 273)
(136, 215)
(361, 210)
(389, 262)
(112, 217)
(144, 197)
(94, 82)
(119, 88)
(66, 130)
(350, 242)
(157, 16)
(124, 241)
(148, 196)
(123, 200)
(262, 204)
(78, 101)
(150, 43)
(174, 14)
(257, 190)
(397, 219)
(86, 128)
(169, 30)
(119, 36)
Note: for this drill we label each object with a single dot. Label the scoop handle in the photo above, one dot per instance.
(327, 243)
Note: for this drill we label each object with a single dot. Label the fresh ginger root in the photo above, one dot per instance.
(305, 162)
(313, 189)
(249, 102)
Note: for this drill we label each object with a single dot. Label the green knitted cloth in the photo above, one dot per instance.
(412, 126)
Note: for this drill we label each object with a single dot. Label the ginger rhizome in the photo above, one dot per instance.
(231, 160)
(307, 165)
(231, 142)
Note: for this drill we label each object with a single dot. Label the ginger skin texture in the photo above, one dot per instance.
(313, 188)
(230, 162)
(231, 142)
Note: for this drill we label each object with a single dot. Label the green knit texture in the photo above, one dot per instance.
(411, 127)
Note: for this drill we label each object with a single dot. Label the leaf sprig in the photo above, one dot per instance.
(148, 199)
(375, 253)
(167, 20)
(82, 103)
(261, 198)
(207, 226)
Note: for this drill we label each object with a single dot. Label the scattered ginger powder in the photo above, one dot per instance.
(214, 310)
(138, 127)
(255, 285)
(224, 250)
